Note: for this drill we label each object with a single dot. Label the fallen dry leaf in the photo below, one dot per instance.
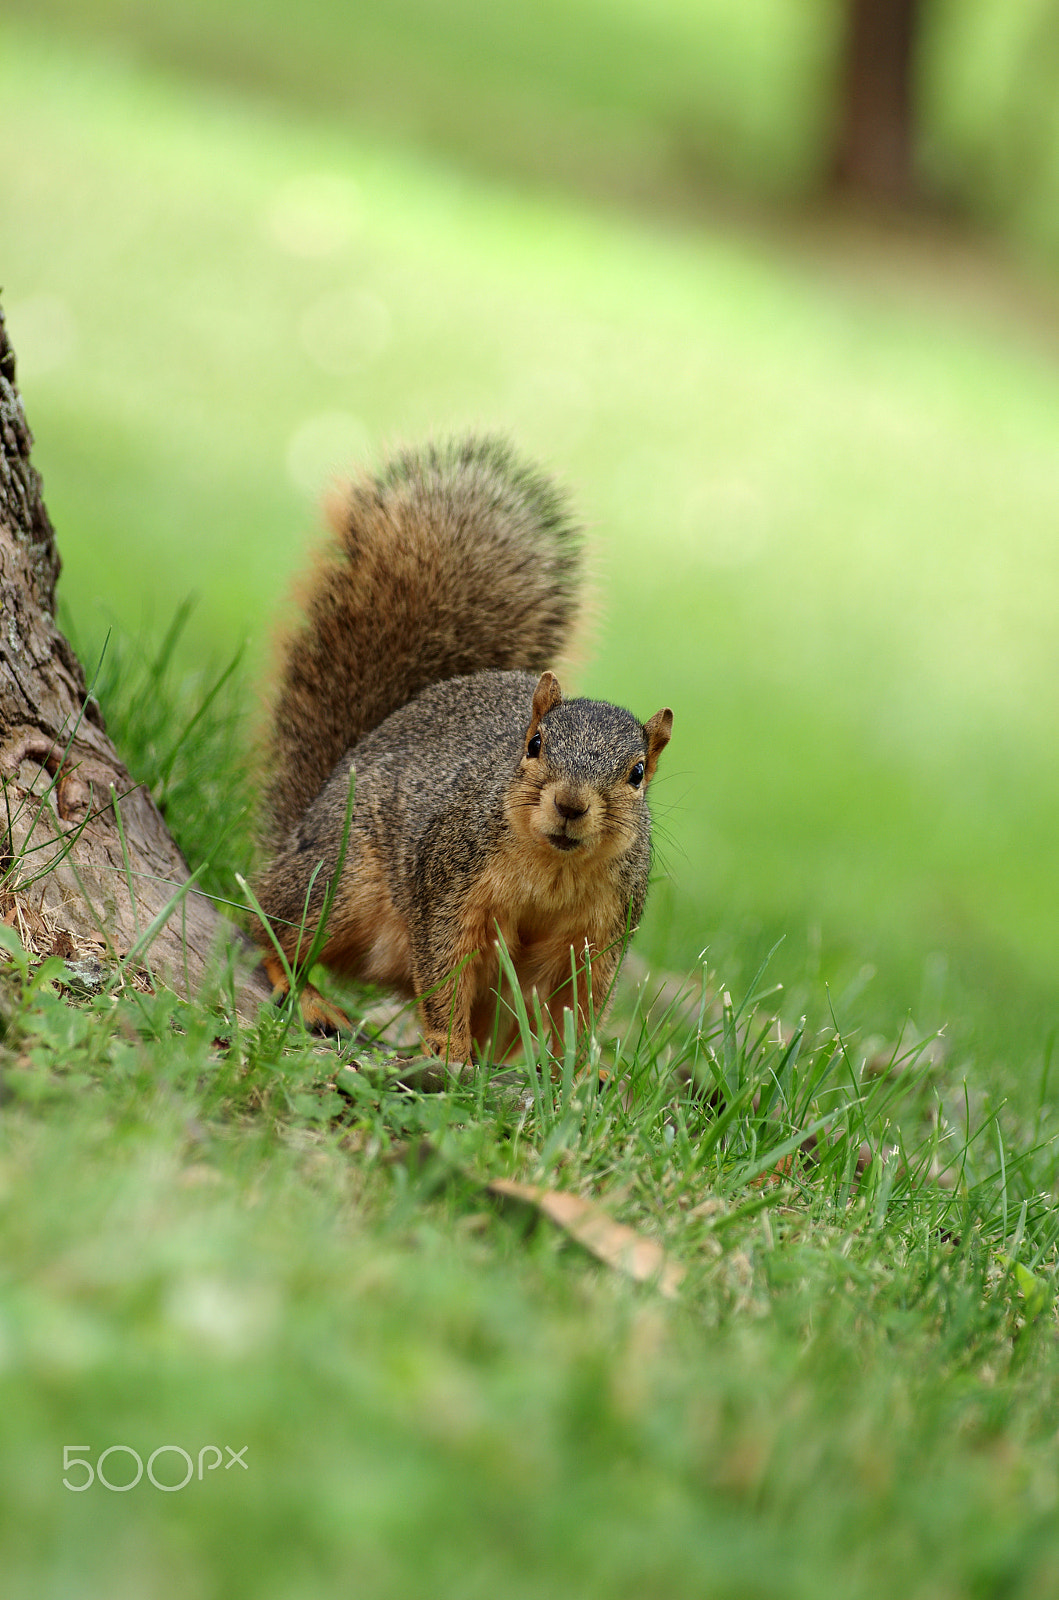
(611, 1242)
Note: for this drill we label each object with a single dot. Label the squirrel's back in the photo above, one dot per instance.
(456, 558)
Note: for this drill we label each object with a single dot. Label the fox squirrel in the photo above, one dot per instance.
(483, 801)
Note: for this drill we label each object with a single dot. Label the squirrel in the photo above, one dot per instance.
(484, 803)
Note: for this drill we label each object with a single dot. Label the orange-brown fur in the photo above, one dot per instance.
(486, 806)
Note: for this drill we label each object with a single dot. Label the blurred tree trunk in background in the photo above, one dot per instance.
(877, 114)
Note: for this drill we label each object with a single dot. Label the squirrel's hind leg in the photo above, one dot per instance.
(318, 1014)
(364, 936)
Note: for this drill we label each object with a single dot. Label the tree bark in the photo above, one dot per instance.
(874, 153)
(86, 863)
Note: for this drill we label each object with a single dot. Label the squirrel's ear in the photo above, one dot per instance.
(546, 696)
(658, 732)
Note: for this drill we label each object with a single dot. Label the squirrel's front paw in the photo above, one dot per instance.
(452, 1052)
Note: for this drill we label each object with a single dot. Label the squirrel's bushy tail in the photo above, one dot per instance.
(456, 558)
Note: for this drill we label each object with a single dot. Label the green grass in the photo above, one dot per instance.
(625, 100)
(209, 1242)
(822, 490)
(665, 105)
(213, 1241)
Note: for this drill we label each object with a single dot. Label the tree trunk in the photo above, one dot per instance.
(875, 141)
(86, 862)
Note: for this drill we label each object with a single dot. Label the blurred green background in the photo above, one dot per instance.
(815, 437)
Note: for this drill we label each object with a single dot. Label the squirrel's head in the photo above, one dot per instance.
(584, 773)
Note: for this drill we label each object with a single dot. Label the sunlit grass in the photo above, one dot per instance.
(210, 1244)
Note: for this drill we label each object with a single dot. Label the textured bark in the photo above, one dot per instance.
(875, 142)
(67, 884)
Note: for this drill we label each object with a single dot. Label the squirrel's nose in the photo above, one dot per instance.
(569, 811)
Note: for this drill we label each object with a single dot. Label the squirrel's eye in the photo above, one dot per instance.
(636, 775)
(533, 748)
